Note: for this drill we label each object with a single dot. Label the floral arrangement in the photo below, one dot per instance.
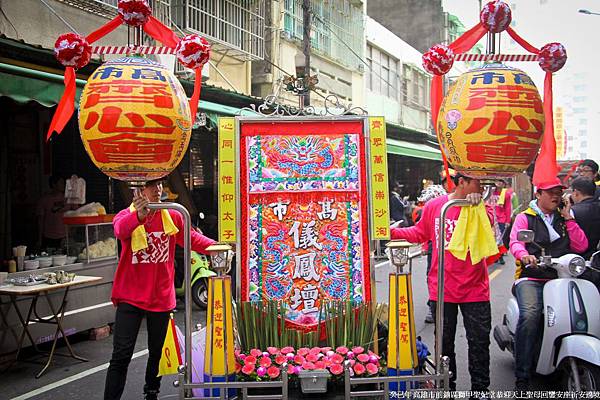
(260, 365)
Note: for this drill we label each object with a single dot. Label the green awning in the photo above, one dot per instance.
(417, 150)
(26, 84)
(214, 110)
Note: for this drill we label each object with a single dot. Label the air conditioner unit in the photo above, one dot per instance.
(285, 35)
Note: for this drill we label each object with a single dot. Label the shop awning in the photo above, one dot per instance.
(25, 84)
(214, 110)
(410, 149)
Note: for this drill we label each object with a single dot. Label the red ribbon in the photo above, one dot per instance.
(66, 105)
(464, 43)
(196, 95)
(546, 168)
(158, 31)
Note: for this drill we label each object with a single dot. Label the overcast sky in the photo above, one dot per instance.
(544, 21)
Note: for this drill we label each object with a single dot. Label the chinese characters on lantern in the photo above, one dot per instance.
(492, 119)
(134, 117)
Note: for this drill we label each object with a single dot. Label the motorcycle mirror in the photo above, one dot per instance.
(201, 215)
(525, 236)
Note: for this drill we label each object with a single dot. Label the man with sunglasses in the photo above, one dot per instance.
(589, 169)
(557, 232)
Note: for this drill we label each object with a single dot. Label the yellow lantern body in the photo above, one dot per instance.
(491, 122)
(134, 119)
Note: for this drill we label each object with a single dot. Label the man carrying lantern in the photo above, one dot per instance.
(557, 232)
(143, 284)
(466, 283)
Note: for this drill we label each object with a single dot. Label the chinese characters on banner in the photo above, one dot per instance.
(491, 122)
(134, 119)
(304, 214)
(227, 181)
(380, 216)
(219, 329)
(402, 352)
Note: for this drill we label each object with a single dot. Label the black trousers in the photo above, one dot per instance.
(477, 317)
(127, 325)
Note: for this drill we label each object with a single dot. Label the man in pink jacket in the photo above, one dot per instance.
(143, 285)
(557, 232)
(466, 285)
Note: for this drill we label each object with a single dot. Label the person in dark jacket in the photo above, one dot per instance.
(589, 169)
(587, 216)
(558, 233)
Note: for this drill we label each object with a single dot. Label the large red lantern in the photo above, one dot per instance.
(134, 119)
(491, 122)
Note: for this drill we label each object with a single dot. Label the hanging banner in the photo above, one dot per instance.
(227, 181)
(380, 201)
(304, 212)
(219, 330)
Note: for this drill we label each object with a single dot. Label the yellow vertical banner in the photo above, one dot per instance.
(401, 325)
(379, 192)
(219, 328)
(227, 180)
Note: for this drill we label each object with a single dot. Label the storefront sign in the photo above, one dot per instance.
(380, 216)
(227, 181)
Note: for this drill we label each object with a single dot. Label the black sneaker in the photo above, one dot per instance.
(501, 260)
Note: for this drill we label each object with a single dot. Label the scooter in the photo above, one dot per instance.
(571, 335)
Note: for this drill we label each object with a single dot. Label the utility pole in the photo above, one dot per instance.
(306, 22)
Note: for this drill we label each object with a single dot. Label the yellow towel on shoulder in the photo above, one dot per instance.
(473, 234)
(502, 197)
(138, 237)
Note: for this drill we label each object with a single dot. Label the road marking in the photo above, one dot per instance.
(72, 378)
(495, 274)
(78, 310)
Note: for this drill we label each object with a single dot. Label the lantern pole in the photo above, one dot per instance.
(187, 256)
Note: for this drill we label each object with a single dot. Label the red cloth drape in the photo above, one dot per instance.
(105, 29)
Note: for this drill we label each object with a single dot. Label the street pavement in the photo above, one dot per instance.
(70, 379)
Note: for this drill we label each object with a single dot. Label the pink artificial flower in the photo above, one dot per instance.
(261, 371)
(280, 359)
(308, 366)
(325, 349)
(291, 369)
(315, 350)
(272, 350)
(265, 354)
(358, 349)
(336, 369)
(273, 372)
(330, 353)
(248, 369)
(237, 352)
(320, 365)
(297, 369)
(241, 356)
(359, 369)
(255, 352)
(363, 358)
(265, 362)
(350, 355)
(299, 360)
(303, 351)
(250, 360)
(312, 357)
(289, 356)
(372, 369)
(287, 349)
(342, 350)
(374, 359)
(352, 362)
(337, 359)
(238, 367)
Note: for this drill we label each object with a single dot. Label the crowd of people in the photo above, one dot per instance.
(563, 219)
